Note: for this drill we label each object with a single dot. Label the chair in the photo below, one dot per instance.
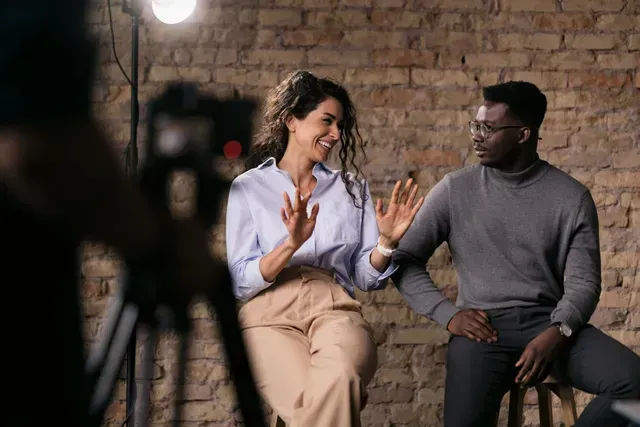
(561, 389)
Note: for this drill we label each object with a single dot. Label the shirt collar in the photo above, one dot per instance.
(271, 163)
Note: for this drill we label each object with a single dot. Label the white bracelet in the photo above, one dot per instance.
(384, 251)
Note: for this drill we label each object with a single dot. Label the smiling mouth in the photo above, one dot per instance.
(325, 145)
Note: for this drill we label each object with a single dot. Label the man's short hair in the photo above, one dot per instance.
(525, 101)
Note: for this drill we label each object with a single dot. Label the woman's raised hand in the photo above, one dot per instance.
(298, 223)
(393, 223)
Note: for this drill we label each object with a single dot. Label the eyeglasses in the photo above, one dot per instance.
(485, 131)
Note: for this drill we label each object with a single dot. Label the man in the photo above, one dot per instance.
(61, 183)
(524, 240)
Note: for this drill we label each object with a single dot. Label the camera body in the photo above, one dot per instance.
(187, 130)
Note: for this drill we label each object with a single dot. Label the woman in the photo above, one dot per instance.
(311, 349)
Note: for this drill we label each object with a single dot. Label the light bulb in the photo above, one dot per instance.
(172, 11)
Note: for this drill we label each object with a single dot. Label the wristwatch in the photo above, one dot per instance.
(564, 329)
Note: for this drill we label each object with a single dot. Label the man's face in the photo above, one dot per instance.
(495, 134)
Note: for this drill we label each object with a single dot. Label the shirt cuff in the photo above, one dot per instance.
(567, 317)
(254, 282)
(378, 280)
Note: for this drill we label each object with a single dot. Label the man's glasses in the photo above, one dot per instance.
(476, 127)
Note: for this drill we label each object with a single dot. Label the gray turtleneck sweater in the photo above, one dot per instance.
(522, 239)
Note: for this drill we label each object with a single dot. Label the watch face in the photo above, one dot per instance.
(565, 329)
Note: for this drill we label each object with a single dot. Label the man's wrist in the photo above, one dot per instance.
(562, 330)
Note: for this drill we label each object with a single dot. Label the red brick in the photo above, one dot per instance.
(563, 60)
(562, 21)
(338, 19)
(552, 140)
(447, 4)
(498, 60)
(269, 57)
(599, 79)
(461, 40)
(529, 6)
(626, 160)
(371, 76)
(356, 3)
(616, 22)
(404, 57)
(218, 16)
(543, 79)
(540, 41)
(398, 18)
(338, 57)
(595, 5)
(442, 118)
(393, 97)
(572, 157)
(311, 37)
(246, 77)
(618, 179)
(431, 77)
(591, 41)
(457, 98)
(618, 60)
(363, 39)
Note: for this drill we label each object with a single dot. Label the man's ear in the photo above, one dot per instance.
(525, 134)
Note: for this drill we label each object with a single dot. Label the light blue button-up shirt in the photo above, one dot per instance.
(342, 240)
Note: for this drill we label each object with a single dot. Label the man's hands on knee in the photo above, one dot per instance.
(473, 324)
(537, 358)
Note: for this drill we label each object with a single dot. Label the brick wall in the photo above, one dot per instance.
(415, 69)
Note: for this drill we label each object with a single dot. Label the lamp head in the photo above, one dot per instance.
(172, 11)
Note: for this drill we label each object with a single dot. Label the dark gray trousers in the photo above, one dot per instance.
(479, 374)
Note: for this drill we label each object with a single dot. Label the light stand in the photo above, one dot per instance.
(133, 8)
(145, 298)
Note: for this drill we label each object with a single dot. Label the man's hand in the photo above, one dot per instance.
(473, 324)
(537, 358)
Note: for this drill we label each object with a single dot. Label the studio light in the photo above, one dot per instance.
(172, 11)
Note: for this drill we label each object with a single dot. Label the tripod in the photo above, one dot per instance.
(186, 132)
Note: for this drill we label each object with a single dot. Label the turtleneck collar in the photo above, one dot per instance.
(520, 179)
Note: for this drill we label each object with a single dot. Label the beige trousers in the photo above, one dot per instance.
(311, 350)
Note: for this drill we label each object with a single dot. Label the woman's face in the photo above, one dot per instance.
(319, 132)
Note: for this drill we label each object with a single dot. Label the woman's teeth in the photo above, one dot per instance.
(325, 145)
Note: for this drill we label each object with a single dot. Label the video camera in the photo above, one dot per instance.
(187, 130)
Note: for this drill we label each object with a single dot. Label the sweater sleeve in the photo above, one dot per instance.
(582, 283)
(428, 231)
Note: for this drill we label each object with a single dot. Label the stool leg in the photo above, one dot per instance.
(567, 399)
(544, 406)
(516, 401)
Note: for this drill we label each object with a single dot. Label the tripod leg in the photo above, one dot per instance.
(179, 397)
(98, 354)
(106, 379)
(239, 367)
(142, 398)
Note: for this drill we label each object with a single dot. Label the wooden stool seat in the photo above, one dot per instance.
(558, 387)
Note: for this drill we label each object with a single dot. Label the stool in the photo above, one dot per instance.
(561, 389)
(276, 421)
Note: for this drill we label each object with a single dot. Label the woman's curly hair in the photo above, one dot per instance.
(299, 94)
